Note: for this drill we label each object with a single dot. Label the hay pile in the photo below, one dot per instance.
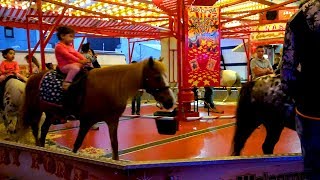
(27, 138)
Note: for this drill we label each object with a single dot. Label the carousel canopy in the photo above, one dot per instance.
(141, 18)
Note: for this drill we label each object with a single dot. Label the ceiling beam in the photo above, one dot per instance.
(268, 3)
(232, 3)
(102, 15)
(127, 5)
(263, 10)
(243, 12)
(250, 25)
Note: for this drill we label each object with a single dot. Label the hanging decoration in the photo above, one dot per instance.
(203, 59)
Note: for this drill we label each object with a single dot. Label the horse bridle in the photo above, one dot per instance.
(153, 90)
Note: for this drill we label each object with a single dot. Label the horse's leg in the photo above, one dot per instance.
(85, 125)
(45, 128)
(244, 128)
(273, 135)
(35, 126)
(113, 133)
(228, 94)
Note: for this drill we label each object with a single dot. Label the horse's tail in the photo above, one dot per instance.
(243, 120)
(245, 98)
(31, 105)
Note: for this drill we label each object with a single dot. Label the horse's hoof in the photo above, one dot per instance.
(215, 110)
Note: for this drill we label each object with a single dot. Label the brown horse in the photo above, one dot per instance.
(104, 98)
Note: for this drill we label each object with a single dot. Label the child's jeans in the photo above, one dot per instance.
(71, 70)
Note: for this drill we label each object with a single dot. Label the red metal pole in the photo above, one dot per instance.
(29, 46)
(58, 20)
(173, 64)
(248, 57)
(82, 41)
(219, 48)
(130, 59)
(43, 61)
(37, 45)
(169, 59)
(129, 50)
(179, 58)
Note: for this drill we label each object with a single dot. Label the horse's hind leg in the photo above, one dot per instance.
(244, 128)
(85, 125)
(113, 133)
(45, 128)
(273, 135)
(35, 126)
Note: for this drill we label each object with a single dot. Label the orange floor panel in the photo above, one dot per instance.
(139, 139)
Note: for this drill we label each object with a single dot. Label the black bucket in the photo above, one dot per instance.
(167, 126)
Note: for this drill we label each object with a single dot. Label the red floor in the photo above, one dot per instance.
(139, 139)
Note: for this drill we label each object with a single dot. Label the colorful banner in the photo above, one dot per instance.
(277, 28)
(202, 66)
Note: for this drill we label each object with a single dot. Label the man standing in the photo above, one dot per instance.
(136, 101)
(259, 65)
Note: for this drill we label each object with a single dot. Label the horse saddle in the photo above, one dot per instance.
(51, 89)
(2, 88)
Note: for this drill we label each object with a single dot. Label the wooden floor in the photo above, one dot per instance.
(139, 140)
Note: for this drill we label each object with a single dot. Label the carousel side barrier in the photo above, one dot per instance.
(20, 161)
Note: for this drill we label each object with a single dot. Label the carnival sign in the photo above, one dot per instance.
(202, 66)
(277, 31)
(267, 35)
(269, 27)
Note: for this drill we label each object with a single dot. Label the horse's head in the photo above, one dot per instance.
(155, 82)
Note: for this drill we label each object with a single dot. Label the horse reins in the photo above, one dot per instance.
(153, 90)
(306, 116)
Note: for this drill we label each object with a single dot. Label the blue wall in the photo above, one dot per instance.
(141, 51)
(104, 44)
(19, 42)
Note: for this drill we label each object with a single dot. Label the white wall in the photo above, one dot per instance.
(172, 68)
(234, 57)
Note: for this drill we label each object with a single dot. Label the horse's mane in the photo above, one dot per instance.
(122, 80)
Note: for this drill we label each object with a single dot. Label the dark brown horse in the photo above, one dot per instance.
(263, 101)
(104, 98)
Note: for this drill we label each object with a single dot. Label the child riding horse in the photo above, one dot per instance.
(103, 96)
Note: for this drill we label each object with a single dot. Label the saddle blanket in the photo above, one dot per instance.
(51, 88)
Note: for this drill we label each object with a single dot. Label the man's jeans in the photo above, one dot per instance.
(136, 101)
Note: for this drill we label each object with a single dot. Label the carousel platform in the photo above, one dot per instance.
(199, 148)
